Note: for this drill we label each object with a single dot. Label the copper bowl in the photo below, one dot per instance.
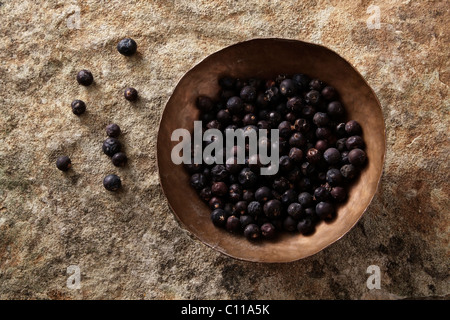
(266, 58)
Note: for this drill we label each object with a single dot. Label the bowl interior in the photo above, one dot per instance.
(266, 58)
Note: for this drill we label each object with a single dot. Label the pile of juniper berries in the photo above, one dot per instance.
(321, 155)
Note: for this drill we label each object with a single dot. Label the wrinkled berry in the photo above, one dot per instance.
(349, 171)
(254, 208)
(111, 146)
(267, 230)
(198, 181)
(247, 178)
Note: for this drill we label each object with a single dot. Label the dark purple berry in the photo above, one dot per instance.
(334, 177)
(205, 194)
(297, 140)
(288, 197)
(315, 84)
(263, 194)
(119, 159)
(204, 104)
(305, 226)
(198, 181)
(321, 119)
(288, 87)
(294, 104)
(85, 78)
(340, 144)
(280, 184)
(312, 97)
(357, 157)
(289, 224)
(63, 163)
(248, 94)
(246, 220)
(338, 194)
(78, 107)
(130, 94)
(349, 171)
(295, 210)
(224, 117)
(233, 224)
(335, 109)
(285, 163)
(235, 105)
(305, 199)
(353, 128)
(219, 189)
(313, 155)
(219, 173)
(113, 130)
(285, 129)
(302, 125)
(272, 208)
(324, 210)
(354, 142)
(127, 47)
(249, 119)
(248, 196)
(332, 156)
(247, 178)
(219, 217)
(111, 146)
(267, 230)
(254, 208)
(329, 93)
(215, 203)
(321, 145)
(112, 182)
(296, 155)
(321, 194)
(340, 130)
(252, 231)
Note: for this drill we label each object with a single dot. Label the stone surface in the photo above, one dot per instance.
(128, 245)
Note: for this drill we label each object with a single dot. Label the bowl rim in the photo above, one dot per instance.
(261, 39)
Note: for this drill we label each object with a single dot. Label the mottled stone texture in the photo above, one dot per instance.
(128, 245)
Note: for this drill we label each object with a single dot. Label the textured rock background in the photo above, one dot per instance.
(129, 246)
